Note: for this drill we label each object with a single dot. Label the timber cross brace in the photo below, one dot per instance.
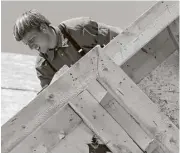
(95, 96)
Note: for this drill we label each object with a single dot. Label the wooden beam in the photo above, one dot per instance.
(72, 83)
(173, 30)
(39, 110)
(77, 78)
(150, 56)
(137, 103)
(124, 119)
(59, 73)
(144, 29)
(99, 121)
(50, 133)
(77, 141)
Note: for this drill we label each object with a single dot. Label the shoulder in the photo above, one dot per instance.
(78, 22)
(110, 27)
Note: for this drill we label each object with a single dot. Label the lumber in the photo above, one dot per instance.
(69, 85)
(77, 141)
(59, 73)
(99, 121)
(103, 64)
(39, 110)
(150, 56)
(137, 103)
(173, 30)
(123, 118)
(50, 133)
(140, 32)
(94, 65)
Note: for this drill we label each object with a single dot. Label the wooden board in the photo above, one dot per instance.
(130, 96)
(123, 118)
(50, 133)
(75, 80)
(59, 73)
(144, 29)
(161, 86)
(79, 141)
(99, 121)
(173, 30)
(64, 132)
(150, 56)
(97, 65)
(39, 110)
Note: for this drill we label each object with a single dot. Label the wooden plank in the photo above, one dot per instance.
(137, 103)
(42, 107)
(144, 29)
(38, 105)
(99, 121)
(162, 87)
(50, 133)
(77, 141)
(74, 81)
(59, 73)
(173, 30)
(148, 58)
(124, 119)
(39, 110)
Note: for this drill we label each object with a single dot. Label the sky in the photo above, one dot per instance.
(115, 13)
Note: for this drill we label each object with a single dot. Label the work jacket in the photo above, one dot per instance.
(86, 32)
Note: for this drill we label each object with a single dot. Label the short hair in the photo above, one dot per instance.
(27, 21)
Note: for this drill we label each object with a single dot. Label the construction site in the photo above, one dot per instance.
(122, 98)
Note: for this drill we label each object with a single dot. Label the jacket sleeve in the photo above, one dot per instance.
(106, 33)
(43, 71)
(88, 33)
(94, 33)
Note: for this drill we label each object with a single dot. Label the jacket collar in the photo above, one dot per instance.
(62, 42)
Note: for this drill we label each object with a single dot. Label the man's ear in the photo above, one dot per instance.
(44, 28)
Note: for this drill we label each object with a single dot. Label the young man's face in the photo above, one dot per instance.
(38, 40)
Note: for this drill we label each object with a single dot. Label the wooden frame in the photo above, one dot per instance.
(94, 65)
(102, 64)
(144, 29)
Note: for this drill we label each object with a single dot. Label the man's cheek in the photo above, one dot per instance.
(42, 44)
(45, 42)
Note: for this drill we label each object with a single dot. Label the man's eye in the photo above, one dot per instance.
(32, 40)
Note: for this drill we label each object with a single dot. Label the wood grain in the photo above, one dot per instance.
(137, 103)
(99, 121)
(50, 133)
(144, 29)
(123, 118)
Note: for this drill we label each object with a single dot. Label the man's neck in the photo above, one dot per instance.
(53, 38)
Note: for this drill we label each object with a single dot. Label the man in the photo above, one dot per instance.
(58, 46)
